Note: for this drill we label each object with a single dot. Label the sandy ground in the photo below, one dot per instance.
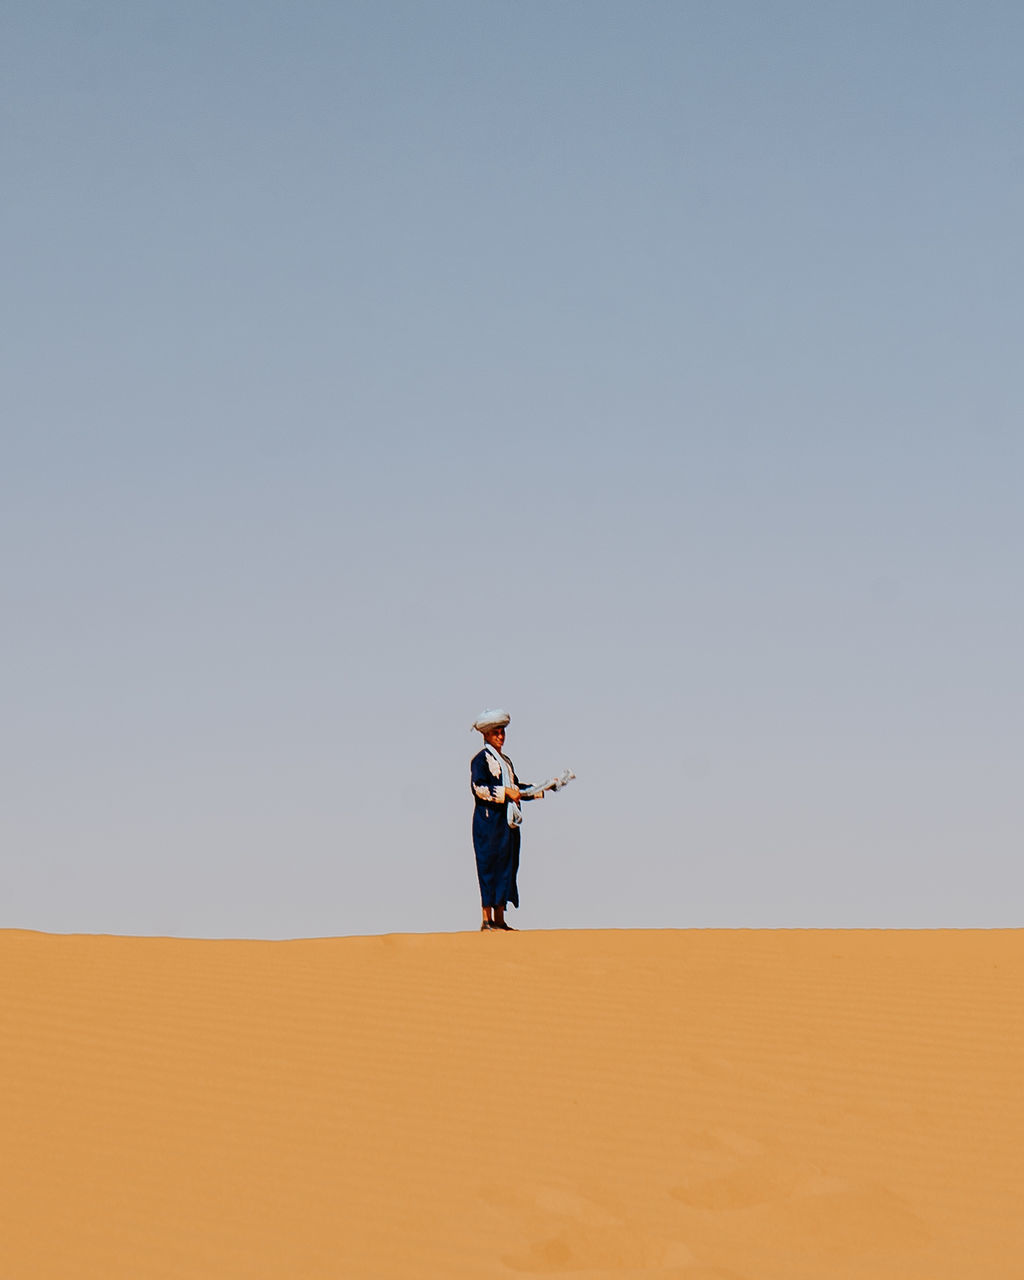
(739, 1105)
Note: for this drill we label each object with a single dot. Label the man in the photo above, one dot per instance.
(497, 793)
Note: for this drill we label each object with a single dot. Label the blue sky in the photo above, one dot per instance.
(650, 369)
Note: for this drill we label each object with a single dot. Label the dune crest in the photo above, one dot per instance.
(708, 1105)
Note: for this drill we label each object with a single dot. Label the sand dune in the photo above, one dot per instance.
(707, 1104)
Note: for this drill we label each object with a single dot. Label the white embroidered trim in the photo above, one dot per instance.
(490, 795)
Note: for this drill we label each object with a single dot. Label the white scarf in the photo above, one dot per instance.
(513, 812)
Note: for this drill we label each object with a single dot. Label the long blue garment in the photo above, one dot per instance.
(495, 843)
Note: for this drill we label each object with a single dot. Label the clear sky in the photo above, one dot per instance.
(652, 369)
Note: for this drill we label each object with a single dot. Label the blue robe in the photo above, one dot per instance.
(496, 843)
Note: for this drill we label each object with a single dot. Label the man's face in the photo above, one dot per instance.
(495, 738)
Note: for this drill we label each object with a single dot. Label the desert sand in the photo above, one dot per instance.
(743, 1105)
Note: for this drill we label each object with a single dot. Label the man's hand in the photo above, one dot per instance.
(512, 793)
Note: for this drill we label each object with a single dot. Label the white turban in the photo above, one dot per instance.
(495, 719)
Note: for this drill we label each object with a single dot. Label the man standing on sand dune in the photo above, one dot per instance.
(497, 793)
